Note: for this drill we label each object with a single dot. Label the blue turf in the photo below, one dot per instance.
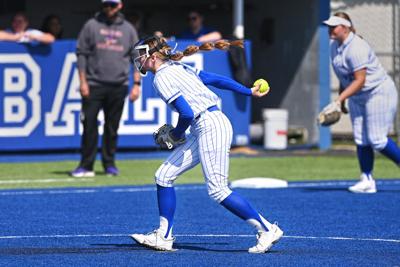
(302, 211)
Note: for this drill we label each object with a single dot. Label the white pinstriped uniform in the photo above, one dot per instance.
(210, 135)
(372, 109)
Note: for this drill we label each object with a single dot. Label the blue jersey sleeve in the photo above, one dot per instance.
(186, 116)
(223, 82)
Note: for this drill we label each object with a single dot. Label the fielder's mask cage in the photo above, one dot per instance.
(144, 51)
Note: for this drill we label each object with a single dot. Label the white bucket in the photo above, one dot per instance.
(275, 128)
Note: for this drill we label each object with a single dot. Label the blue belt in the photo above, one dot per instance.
(210, 109)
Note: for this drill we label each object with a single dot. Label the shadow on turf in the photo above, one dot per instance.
(68, 173)
(320, 189)
(110, 248)
(332, 189)
(102, 248)
(61, 172)
(185, 246)
(75, 250)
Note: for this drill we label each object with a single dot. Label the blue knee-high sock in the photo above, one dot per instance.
(166, 205)
(365, 156)
(392, 151)
(241, 208)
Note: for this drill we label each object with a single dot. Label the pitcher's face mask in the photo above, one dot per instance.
(145, 52)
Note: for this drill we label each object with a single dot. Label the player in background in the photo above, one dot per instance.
(372, 97)
(185, 90)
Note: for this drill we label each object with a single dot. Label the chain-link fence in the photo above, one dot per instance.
(378, 22)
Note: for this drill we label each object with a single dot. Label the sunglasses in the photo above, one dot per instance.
(192, 18)
(110, 4)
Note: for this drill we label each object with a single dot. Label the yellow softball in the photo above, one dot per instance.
(264, 85)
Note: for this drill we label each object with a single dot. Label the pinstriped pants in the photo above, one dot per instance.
(372, 113)
(208, 143)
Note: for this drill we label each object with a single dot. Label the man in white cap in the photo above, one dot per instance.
(105, 48)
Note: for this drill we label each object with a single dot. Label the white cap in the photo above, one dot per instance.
(335, 21)
(111, 1)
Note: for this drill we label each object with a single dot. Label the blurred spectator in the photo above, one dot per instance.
(139, 23)
(160, 34)
(105, 49)
(198, 31)
(19, 28)
(52, 24)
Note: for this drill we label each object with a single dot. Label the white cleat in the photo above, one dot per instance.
(365, 185)
(265, 240)
(155, 240)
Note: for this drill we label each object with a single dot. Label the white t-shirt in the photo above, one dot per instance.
(25, 38)
(32, 32)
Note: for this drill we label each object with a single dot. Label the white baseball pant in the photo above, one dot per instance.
(208, 143)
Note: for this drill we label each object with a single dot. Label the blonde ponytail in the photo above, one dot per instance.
(239, 43)
(190, 50)
(208, 46)
(177, 56)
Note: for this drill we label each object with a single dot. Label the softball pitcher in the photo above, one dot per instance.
(372, 97)
(184, 89)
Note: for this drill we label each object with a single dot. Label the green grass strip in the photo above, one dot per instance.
(141, 172)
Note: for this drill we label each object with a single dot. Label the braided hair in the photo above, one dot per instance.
(164, 51)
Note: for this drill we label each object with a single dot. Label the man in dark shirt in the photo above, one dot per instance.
(105, 48)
